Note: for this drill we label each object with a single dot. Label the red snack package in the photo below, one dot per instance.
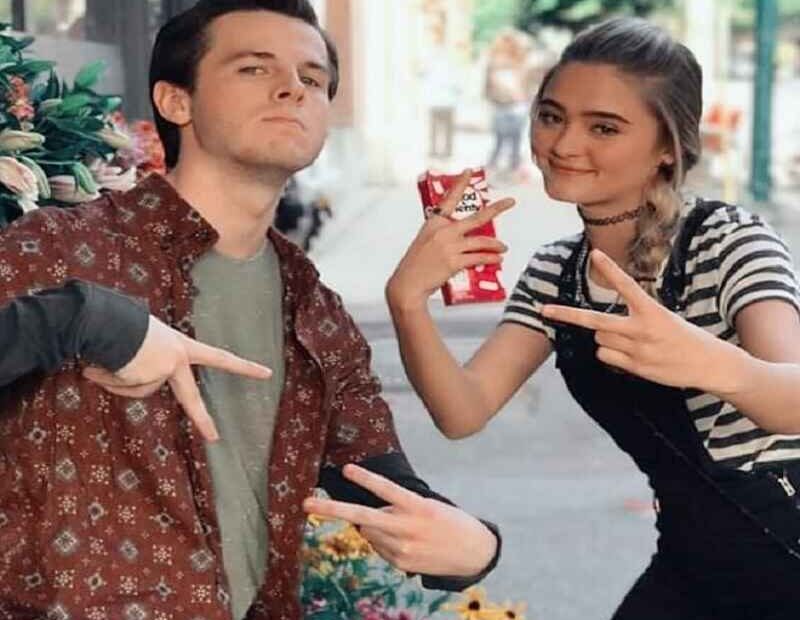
(474, 284)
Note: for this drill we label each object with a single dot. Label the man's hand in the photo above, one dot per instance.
(166, 356)
(415, 534)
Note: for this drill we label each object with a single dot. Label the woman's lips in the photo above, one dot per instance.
(568, 170)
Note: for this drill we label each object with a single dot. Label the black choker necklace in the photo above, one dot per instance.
(614, 219)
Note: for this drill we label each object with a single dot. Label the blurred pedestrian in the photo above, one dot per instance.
(508, 88)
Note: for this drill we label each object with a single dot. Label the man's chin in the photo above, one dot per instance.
(275, 163)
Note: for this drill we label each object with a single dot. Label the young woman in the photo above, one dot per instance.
(674, 324)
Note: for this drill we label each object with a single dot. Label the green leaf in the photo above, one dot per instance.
(21, 43)
(52, 91)
(87, 77)
(73, 103)
(414, 598)
(84, 178)
(109, 104)
(37, 91)
(91, 124)
(437, 603)
(35, 67)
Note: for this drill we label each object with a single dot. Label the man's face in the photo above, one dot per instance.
(261, 93)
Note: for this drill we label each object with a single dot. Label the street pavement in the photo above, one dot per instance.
(575, 513)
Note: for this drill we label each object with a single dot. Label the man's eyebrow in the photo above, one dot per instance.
(263, 55)
(597, 113)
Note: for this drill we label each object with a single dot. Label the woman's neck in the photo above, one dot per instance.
(614, 240)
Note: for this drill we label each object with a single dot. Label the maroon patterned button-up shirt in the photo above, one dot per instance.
(106, 503)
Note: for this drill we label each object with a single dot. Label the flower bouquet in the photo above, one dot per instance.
(60, 144)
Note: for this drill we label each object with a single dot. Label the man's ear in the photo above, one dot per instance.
(173, 103)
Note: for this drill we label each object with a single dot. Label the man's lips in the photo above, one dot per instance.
(286, 120)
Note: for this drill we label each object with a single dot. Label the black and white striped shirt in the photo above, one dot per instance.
(734, 260)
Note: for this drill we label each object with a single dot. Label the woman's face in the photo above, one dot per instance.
(595, 140)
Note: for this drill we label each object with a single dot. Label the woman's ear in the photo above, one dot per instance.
(173, 103)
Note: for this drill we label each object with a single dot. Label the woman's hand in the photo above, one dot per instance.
(442, 248)
(415, 534)
(651, 341)
(166, 356)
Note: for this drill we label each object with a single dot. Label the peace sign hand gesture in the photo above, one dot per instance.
(166, 356)
(413, 533)
(651, 341)
(442, 248)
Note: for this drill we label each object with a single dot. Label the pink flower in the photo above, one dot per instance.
(21, 181)
(19, 100)
(65, 188)
(112, 177)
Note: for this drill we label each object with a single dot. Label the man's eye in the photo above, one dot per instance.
(310, 81)
(253, 70)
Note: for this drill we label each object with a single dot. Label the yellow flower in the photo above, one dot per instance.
(324, 568)
(347, 544)
(512, 612)
(473, 605)
(316, 520)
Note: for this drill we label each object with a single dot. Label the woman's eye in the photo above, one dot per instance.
(605, 130)
(548, 118)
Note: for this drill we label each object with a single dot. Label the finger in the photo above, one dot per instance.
(140, 391)
(352, 513)
(213, 357)
(485, 215)
(188, 395)
(456, 193)
(380, 539)
(586, 318)
(614, 358)
(389, 554)
(473, 259)
(630, 291)
(381, 487)
(104, 378)
(618, 342)
(487, 244)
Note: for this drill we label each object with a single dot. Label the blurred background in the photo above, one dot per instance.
(422, 83)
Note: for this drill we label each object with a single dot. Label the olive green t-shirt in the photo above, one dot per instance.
(239, 308)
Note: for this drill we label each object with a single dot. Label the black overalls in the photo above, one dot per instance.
(728, 544)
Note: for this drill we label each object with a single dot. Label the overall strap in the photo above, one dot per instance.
(675, 280)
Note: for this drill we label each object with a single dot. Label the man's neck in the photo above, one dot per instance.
(239, 204)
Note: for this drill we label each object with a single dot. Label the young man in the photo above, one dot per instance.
(111, 505)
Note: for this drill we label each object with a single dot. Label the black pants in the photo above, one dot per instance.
(713, 563)
(660, 594)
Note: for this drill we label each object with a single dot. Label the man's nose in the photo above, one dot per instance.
(289, 87)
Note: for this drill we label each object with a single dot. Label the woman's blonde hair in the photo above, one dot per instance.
(671, 83)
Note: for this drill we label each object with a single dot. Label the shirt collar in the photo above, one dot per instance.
(159, 210)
